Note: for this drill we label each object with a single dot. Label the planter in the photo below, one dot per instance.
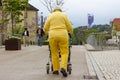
(13, 44)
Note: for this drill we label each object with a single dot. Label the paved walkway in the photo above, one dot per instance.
(30, 64)
(106, 64)
(109, 63)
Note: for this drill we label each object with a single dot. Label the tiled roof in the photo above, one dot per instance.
(32, 8)
(116, 21)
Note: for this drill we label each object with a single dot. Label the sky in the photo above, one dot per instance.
(77, 10)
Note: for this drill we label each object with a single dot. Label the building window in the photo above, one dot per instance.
(0, 2)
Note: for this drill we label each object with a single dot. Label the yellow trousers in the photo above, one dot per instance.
(57, 43)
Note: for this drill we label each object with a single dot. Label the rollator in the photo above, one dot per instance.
(49, 66)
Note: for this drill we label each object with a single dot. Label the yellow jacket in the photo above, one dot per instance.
(57, 24)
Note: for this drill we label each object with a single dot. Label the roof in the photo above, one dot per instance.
(29, 8)
(116, 21)
(32, 8)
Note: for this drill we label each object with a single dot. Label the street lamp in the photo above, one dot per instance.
(42, 19)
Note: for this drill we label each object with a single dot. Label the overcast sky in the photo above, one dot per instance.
(77, 10)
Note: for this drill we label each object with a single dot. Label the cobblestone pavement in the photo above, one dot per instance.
(30, 64)
(108, 62)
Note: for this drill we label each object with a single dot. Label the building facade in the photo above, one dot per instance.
(30, 16)
(116, 24)
(116, 29)
(31, 21)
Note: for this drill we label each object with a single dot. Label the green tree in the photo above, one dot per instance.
(80, 35)
(74, 36)
(89, 31)
(50, 4)
(101, 28)
(14, 8)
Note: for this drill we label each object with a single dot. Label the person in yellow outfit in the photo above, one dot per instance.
(57, 27)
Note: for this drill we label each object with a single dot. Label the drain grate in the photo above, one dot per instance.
(90, 77)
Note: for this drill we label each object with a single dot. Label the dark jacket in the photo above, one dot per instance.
(42, 32)
(26, 34)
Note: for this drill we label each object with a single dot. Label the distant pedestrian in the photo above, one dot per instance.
(39, 36)
(26, 37)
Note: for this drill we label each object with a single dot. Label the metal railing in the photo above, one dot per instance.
(100, 41)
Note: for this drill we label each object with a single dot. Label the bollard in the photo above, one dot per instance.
(119, 42)
(0, 41)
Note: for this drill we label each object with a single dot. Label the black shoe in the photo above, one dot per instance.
(56, 72)
(63, 71)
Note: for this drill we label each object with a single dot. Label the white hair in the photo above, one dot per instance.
(57, 7)
(39, 26)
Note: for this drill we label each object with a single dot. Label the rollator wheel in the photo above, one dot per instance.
(69, 68)
(51, 67)
(47, 68)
